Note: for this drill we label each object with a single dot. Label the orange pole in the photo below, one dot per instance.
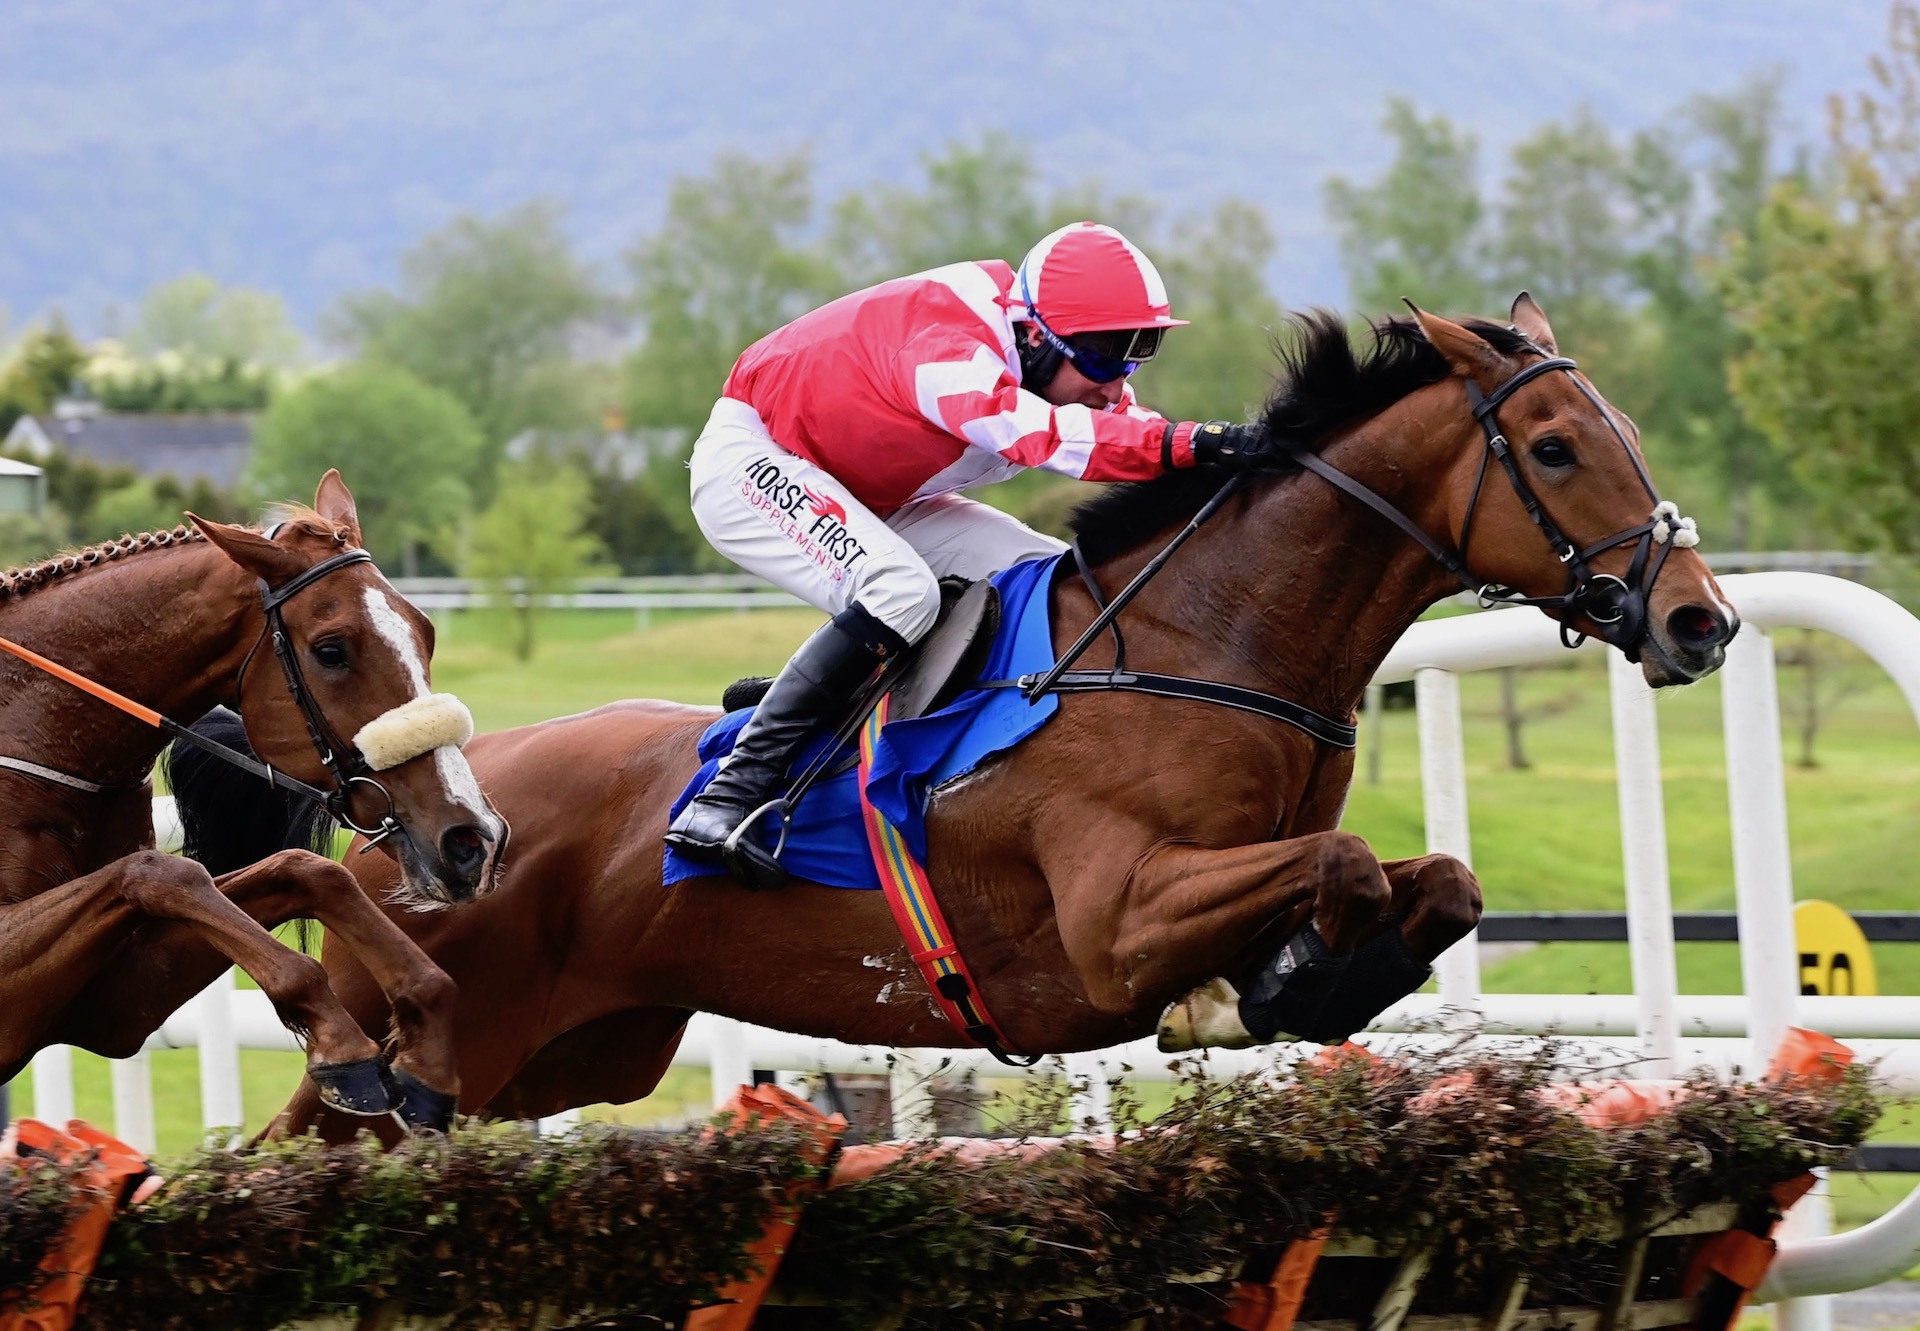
(81, 682)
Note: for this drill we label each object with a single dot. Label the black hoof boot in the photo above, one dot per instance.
(1286, 998)
(420, 1107)
(363, 1088)
(1383, 972)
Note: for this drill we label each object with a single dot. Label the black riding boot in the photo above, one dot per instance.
(815, 689)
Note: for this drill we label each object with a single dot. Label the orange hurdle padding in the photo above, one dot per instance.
(1274, 1303)
(741, 1300)
(55, 1306)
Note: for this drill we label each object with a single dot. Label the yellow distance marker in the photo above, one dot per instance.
(1834, 959)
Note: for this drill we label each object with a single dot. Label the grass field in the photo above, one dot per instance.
(1543, 838)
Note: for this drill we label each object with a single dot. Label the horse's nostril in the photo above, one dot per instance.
(1697, 627)
(465, 850)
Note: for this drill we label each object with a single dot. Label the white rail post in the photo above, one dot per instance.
(220, 1100)
(133, 1102)
(1643, 852)
(1443, 788)
(53, 1085)
(1763, 883)
(560, 1124)
(729, 1066)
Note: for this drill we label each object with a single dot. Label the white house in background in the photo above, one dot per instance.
(189, 446)
(23, 487)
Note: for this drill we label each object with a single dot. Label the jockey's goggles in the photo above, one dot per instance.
(1105, 355)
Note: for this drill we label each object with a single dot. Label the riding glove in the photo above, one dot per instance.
(1243, 447)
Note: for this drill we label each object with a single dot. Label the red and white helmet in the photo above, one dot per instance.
(1088, 278)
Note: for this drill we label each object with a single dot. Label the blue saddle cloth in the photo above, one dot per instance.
(827, 842)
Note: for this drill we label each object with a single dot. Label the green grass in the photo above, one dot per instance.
(1543, 838)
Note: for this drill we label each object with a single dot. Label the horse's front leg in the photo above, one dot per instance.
(1308, 990)
(1183, 911)
(173, 961)
(69, 951)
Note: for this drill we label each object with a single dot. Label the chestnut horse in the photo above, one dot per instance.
(101, 936)
(1136, 849)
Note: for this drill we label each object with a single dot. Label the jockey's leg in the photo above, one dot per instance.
(964, 538)
(779, 516)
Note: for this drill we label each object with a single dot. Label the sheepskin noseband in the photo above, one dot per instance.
(414, 728)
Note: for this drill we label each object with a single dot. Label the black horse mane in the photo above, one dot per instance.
(1323, 383)
(231, 818)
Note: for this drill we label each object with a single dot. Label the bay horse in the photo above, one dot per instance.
(1138, 860)
(101, 936)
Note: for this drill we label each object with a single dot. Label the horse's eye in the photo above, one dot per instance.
(1551, 452)
(331, 654)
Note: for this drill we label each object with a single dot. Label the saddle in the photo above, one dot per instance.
(943, 665)
(933, 672)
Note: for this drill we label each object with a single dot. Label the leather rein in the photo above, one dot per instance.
(1618, 606)
(344, 763)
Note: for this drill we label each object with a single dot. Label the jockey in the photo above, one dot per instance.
(830, 464)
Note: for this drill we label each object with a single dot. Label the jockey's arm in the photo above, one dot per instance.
(970, 393)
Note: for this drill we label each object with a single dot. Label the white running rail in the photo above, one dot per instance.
(1654, 1027)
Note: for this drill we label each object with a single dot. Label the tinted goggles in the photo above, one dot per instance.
(1106, 356)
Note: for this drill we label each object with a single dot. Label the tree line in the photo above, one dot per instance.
(1750, 301)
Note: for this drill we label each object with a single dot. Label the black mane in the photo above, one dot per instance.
(1323, 383)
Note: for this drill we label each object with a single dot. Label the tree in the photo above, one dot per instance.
(1694, 201)
(1827, 295)
(728, 265)
(198, 318)
(1419, 231)
(979, 202)
(1565, 236)
(531, 543)
(410, 450)
(488, 312)
(43, 368)
(1222, 365)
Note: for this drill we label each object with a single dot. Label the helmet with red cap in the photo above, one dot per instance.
(1096, 299)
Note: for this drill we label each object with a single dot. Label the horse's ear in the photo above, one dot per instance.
(1470, 354)
(334, 502)
(251, 551)
(1530, 319)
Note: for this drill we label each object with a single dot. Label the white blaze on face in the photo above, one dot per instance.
(456, 776)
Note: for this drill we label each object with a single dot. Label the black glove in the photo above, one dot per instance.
(1235, 447)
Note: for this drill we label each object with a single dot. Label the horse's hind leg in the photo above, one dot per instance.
(101, 1010)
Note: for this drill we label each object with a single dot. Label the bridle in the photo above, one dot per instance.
(1616, 605)
(344, 762)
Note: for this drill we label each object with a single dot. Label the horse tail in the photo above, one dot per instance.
(229, 817)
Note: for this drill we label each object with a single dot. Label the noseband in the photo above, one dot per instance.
(1616, 605)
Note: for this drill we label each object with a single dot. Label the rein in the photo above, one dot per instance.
(1062, 678)
(1617, 605)
(354, 770)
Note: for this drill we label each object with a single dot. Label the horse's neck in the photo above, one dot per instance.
(1299, 589)
(162, 628)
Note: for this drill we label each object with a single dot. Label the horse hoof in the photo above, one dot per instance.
(420, 1107)
(362, 1088)
(1207, 1018)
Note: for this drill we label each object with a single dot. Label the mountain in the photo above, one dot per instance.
(302, 147)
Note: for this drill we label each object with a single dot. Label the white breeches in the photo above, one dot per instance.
(779, 516)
